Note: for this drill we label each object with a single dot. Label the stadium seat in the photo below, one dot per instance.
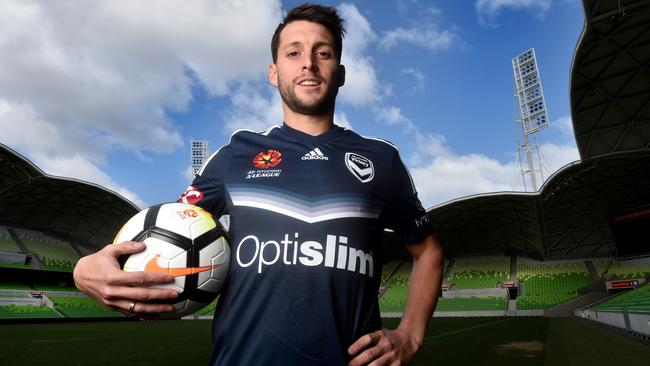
(26, 312)
(81, 307)
(549, 283)
(55, 254)
(638, 299)
(481, 272)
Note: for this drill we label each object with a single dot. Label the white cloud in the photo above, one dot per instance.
(254, 108)
(49, 156)
(424, 36)
(555, 157)
(393, 116)
(79, 167)
(115, 68)
(359, 32)
(489, 10)
(340, 119)
(188, 174)
(413, 79)
(361, 83)
(445, 178)
(560, 148)
(93, 79)
(442, 175)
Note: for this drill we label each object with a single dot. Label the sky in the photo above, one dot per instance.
(113, 91)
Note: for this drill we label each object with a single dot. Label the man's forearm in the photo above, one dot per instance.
(424, 289)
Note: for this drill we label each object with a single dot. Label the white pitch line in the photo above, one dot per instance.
(465, 329)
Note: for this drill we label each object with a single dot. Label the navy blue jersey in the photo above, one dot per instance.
(307, 217)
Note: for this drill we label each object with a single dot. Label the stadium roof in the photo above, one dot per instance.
(570, 215)
(79, 211)
(610, 79)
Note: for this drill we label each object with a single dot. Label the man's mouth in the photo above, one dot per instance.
(309, 82)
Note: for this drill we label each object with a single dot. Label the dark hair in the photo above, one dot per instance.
(323, 15)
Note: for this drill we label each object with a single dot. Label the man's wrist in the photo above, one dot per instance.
(413, 337)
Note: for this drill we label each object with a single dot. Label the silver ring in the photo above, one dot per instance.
(132, 306)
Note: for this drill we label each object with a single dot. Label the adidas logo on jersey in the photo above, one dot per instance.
(315, 154)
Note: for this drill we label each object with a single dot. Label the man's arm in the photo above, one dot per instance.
(398, 346)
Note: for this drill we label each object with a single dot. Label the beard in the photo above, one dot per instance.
(322, 105)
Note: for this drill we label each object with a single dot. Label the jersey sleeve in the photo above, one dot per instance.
(208, 187)
(404, 213)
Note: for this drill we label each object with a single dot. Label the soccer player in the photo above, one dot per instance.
(308, 202)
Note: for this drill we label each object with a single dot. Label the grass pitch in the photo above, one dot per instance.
(457, 341)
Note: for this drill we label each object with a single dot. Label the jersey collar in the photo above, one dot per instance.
(301, 136)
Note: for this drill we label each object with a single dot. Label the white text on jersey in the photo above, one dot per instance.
(334, 254)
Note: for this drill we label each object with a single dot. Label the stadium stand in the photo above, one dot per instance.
(472, 304)
(13, 285)
(549, 283)
(12, 311)
(396, 287)
(15, 265)
(629, 271)
(55, 254)
(638, 299)
(62, 286)
(7, 243)
(81, 307)
(208, 310)
(602, 265)
(479, 272)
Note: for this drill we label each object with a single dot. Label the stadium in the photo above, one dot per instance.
(554, 277)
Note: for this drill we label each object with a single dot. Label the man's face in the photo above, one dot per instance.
(307, 72)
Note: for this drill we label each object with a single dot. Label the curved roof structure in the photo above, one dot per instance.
(610, 79)
(570, 215)
(82, 212)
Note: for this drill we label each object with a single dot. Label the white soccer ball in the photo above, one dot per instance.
(184, 241)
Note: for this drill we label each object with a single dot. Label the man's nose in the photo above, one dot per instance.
(309, 62)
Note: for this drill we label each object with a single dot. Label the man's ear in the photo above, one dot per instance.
(273, 75)
(341, 75)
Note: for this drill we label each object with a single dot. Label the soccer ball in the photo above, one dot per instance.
(184, 241)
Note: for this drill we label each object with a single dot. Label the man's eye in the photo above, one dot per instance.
(292, 54)
(323, 54)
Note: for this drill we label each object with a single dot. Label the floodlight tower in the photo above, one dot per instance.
(200, 153)
(534, 117)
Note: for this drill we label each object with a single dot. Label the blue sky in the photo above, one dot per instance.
(114, 93)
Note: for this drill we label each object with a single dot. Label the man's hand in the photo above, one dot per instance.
(100, 277)
(383, 347)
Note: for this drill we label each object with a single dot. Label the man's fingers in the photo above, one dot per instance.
(140, 278)
(127, 247)
(365, 341)
(365, 357)
(140, 308)
(144, 308)
(139, 294)
(386, 359)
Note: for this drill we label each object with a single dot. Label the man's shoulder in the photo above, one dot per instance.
(374, 143)
(244, 134)
(238, 139)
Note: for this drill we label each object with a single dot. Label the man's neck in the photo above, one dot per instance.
(311, 125)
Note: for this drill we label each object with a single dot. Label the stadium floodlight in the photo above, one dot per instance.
(199, 153)
(528, 86)
(533, 115)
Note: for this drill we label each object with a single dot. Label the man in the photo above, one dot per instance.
(308, 202)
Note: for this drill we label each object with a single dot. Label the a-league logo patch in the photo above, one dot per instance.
(360, 166)
(191, 195)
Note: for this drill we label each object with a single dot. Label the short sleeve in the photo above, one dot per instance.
(404, 214)
(208, 187)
